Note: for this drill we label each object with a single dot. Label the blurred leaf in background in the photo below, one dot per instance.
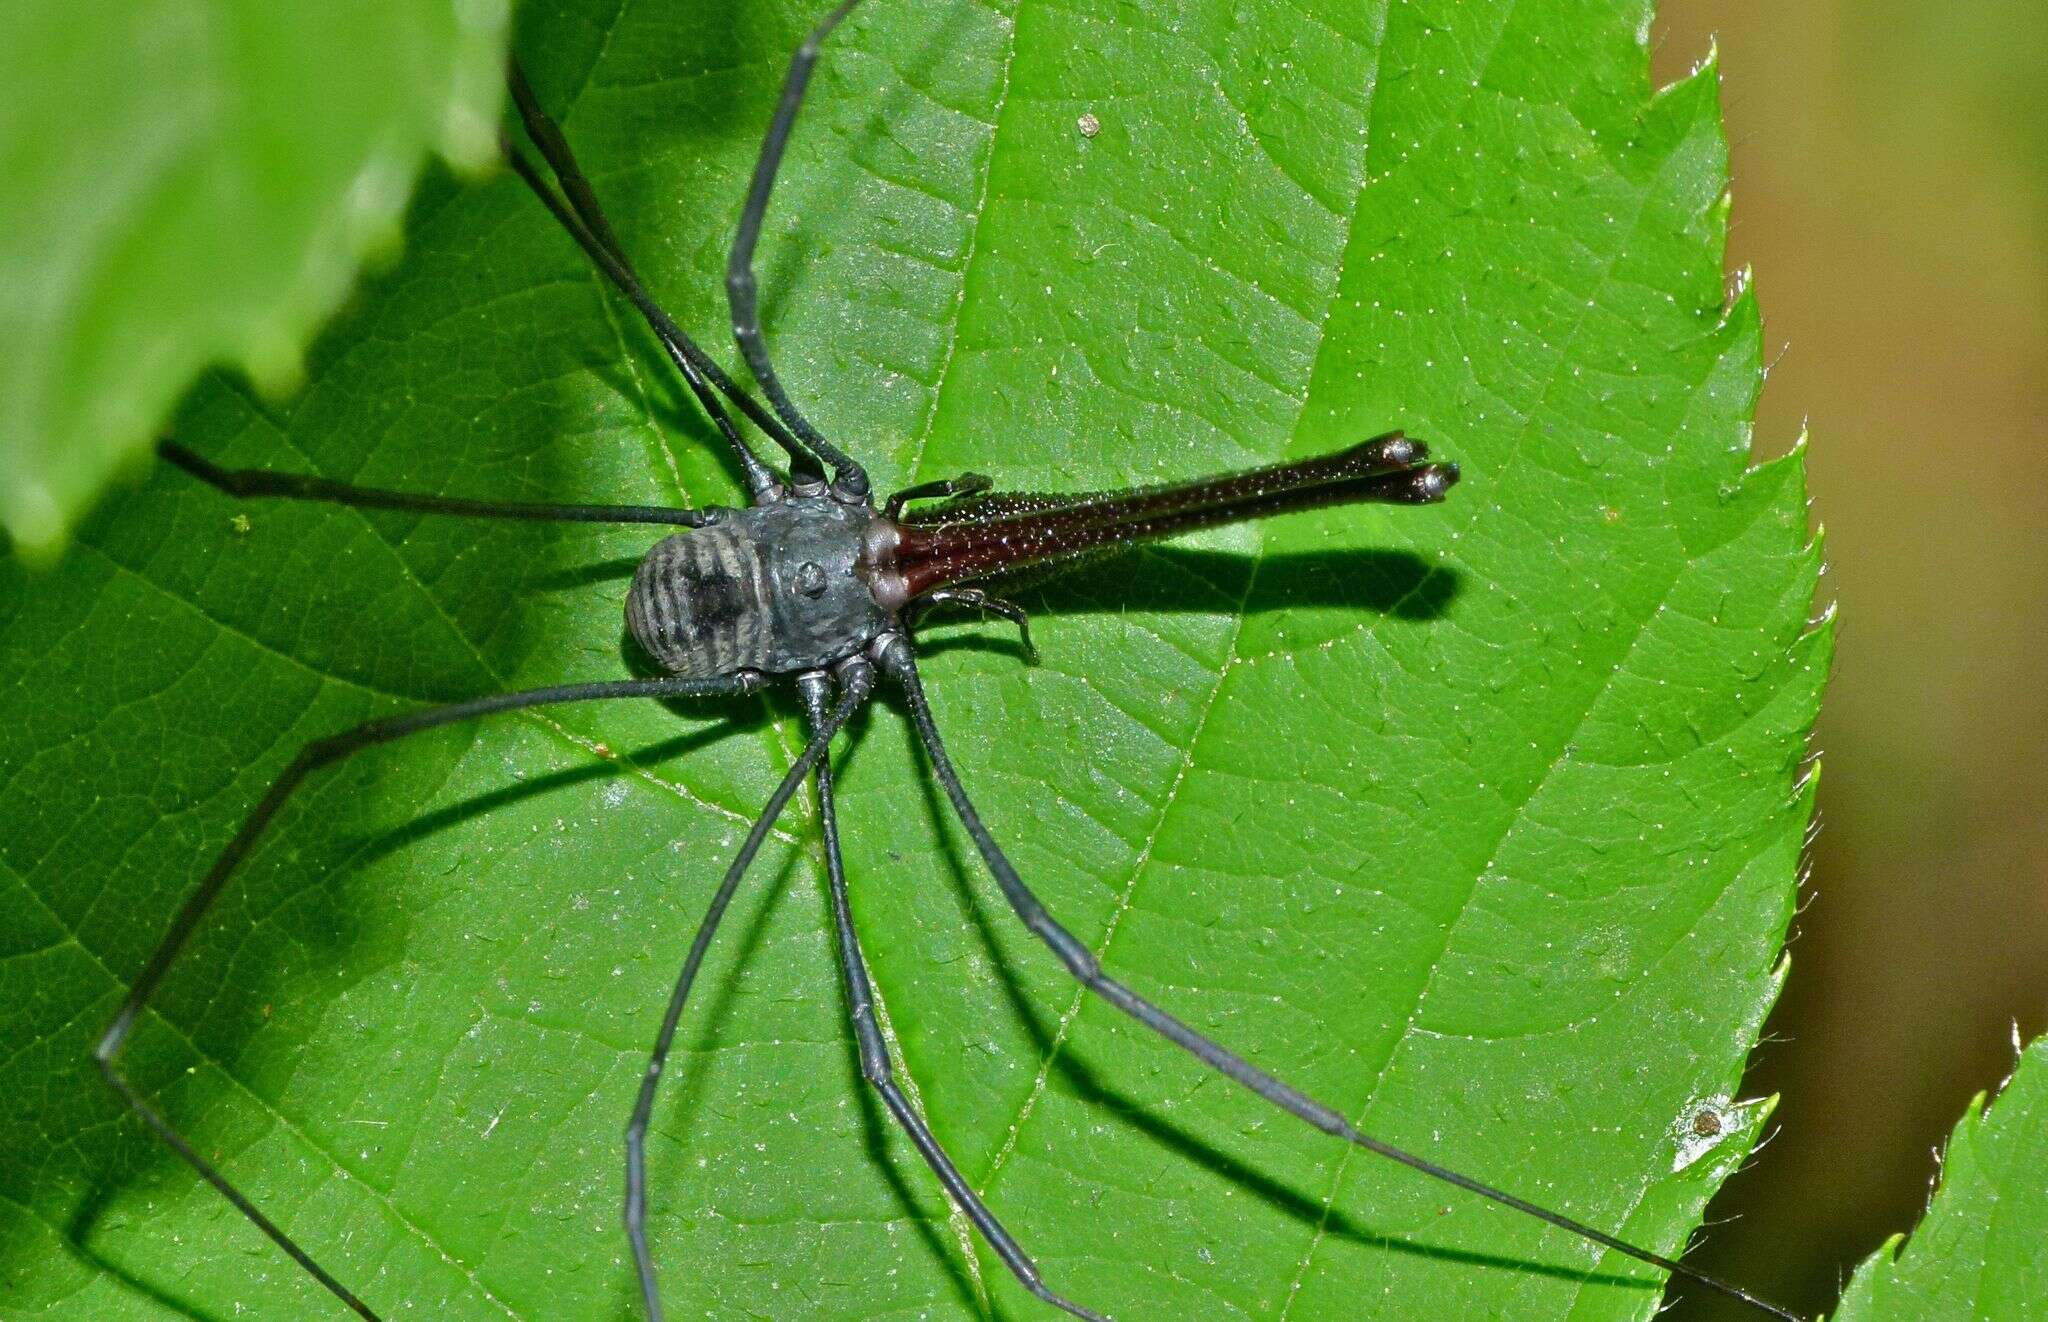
(1982, 1249)
(1481, 820)
(188, 183)
(1974, 68)
(1891, 191)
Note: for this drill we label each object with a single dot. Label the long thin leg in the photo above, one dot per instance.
(253, 482)
(1087, 970)
(740, 290)
(314, 756)
(814, 688)
(554, 148)
(857, 680)
(594, 234)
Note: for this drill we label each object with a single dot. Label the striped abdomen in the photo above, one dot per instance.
(700, 605)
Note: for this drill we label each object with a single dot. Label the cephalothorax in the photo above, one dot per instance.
(812, 580)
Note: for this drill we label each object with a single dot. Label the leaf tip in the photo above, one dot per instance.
(1705, 71)
(33, 518)
(270, 355)
(468, 134)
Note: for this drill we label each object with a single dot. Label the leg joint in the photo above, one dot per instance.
(875, 1068)
(1079, 959)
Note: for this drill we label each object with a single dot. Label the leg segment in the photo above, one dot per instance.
(814, 688)
(313, 757)
(967, 484)
(849, 477)
(252, 482)
(585, 221)
(975, 599)
(1087, 970)
(858, 683)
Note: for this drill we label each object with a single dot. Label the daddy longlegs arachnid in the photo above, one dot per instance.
(815, 583)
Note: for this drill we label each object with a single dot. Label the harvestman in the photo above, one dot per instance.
(812, 581)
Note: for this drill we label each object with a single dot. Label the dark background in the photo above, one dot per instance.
(1890, 164)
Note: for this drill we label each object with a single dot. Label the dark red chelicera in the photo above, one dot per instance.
(989, 535)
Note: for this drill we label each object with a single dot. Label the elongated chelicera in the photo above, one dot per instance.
(980, 537)
(813, 582)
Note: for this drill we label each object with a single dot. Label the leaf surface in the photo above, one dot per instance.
(194, 182)
(1979, 1252)
(1478, 821)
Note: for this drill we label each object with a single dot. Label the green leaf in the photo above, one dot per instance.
(1480, 821)
(1982, 1250)
(194, 182)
